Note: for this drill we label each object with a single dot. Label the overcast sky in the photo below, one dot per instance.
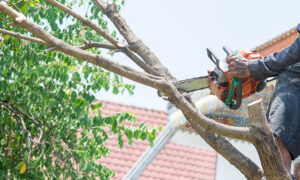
(179, 32)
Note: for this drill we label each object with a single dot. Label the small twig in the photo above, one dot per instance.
(53, 48)
(16, 7)
(12, 24)
(125, 50)
(91, 44)
(85, 21)
(23, 125)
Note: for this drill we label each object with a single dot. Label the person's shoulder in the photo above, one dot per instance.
(298, 28)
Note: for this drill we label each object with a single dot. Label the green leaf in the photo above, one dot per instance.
(120, 141)
(142, 126)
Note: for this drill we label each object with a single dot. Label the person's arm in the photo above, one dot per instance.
(273, 64)
(267, 66)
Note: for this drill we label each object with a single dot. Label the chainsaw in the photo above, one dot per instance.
(229, 90)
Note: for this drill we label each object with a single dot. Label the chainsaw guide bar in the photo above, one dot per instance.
(190, 85)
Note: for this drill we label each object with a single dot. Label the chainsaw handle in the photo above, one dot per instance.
(236, 86)
(239, 94)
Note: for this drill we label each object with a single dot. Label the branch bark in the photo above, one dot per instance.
(90, 44)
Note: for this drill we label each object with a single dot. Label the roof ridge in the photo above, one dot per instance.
(190, 166)
(276, 39)
(175, 171)
(188, 147)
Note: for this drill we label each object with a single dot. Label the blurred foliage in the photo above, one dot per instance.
(49, 125)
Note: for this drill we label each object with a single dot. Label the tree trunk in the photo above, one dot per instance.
(265, 143)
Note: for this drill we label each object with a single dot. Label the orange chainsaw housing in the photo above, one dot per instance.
(249, 84)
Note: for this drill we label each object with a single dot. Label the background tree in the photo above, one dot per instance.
(38, 22)
(49, 127)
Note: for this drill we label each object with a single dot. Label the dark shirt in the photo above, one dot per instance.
(274, 64)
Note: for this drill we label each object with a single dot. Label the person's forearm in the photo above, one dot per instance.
(273, 64)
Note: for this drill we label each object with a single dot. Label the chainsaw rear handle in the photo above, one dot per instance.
(236, 86)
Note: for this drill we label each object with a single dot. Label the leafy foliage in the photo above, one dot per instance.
(49, 126)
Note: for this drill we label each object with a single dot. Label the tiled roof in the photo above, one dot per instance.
(173, 162)
(277, 39)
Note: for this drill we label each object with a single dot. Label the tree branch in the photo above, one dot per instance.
(87, 45)
(191, 113)
(91, 44)
(18, 111)
(130, 54)
(21, 36)
(135, 44)
(85, 21)
(229, 152)
(20, 118)
(98, 29)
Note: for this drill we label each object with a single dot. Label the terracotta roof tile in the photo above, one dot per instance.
(275, 40)
(173, 162)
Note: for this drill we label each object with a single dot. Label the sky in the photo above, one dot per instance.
(179, 32)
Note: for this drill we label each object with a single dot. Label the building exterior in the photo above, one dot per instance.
(174, 161)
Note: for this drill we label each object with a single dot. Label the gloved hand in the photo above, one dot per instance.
(237, 66)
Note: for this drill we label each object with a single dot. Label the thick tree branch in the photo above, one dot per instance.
(135, 44)
(191, 113)
(229, 152)
(21, 36)
(130, 54)
(139, 62)
(265, 144)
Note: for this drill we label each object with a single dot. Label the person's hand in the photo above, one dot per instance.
(237, 66)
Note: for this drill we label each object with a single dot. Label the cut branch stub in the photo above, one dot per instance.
(257, 115)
